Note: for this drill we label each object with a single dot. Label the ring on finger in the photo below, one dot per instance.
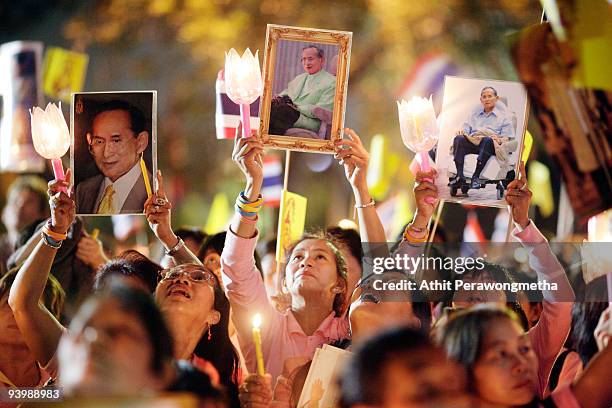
(160, 201)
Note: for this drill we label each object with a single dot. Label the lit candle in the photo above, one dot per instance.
(243, 83)
(51, 136)
(257, 341)
(145, 176)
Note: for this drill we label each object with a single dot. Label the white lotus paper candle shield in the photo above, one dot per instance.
(50, 135)
(418, 124)
(243, 83)
(419, 129)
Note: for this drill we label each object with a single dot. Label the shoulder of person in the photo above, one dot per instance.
(89, 183)
(328, 77)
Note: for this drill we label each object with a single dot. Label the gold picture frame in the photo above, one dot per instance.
(302, 139)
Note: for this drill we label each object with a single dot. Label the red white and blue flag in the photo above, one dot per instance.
(273, 180)
(426, 77)
(227, 115)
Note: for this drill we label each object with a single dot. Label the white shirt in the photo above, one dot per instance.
(122, 186)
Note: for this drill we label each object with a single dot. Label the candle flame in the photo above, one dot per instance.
(257, 321)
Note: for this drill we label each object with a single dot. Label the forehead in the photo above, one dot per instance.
(487, 92)
(310, 52)
(502, 331)
(103, 312)
(113, 119)
(312, 245)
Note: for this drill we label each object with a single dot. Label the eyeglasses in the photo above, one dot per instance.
(194, 275)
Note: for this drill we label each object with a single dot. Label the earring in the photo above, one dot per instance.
(209, 333)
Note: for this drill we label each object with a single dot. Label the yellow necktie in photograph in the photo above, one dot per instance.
(106, 204)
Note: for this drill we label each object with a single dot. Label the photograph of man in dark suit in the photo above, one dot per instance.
(116, 139)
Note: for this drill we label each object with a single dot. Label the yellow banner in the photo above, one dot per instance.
(527, 145)
(219, 214)
(64, 73)
(291, 219)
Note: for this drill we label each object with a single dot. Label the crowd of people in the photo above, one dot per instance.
(182, 325)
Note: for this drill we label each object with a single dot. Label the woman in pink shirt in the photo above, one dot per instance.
(503, 366)
(315, 277)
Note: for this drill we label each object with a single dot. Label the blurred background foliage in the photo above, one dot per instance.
(177, 47)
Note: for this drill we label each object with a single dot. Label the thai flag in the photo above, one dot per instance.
(273, 180)
(227, 115)
(426, 77)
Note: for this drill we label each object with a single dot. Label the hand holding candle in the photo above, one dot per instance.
(51, 136)
(419, 129)
(243, 83)
(257, 340)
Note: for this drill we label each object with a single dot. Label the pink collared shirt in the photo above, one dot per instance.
(282, 336)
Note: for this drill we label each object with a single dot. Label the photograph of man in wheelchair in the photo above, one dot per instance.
(489, 130)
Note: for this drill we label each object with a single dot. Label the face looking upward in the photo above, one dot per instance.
(311, 61)
(189, 290)
(312, 268)
(114, 145)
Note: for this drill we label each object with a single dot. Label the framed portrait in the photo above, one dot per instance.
(481, 139)
(305, 82)
(113, 149)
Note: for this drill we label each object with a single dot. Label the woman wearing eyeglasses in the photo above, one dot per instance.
(189, 297)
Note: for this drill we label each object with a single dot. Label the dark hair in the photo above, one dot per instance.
(350, 238)
(341, 268)
(363, 376)
(193, 233)
(489, 87)
(130, 263)
(141, 305)
(147, 270)
(585, 316)
(320, 52)
(138, 122)
(53, 295)
(33, 184)
(463, 333)
(219, 350)
(216, 242)
(191, 380)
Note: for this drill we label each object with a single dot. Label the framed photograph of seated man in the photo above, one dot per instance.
(305, 83)
(482, 129)
(113, 155)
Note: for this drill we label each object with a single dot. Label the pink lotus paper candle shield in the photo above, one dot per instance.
(243, 83)
(419, 128)
(50, 136)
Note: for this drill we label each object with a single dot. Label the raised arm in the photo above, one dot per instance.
(552, 329)
(158, 211)
(40, 329)
(355, 158)
(243, 283)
